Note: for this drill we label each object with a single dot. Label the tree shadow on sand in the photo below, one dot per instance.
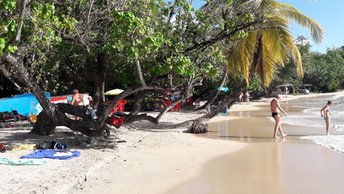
(20, 134)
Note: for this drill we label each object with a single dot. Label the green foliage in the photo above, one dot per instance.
(2, 45)
(65, 40)
(8, 5)
(256, 84)
(286, 75)
(182, 65)
(325, 71)
(47, 25)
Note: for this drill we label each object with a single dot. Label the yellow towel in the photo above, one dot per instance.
(24, 147)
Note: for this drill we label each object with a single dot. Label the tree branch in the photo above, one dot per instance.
(21, 19)
(220, 36)
(23, 74)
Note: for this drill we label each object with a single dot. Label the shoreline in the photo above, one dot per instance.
(170, 161)
(290, 165)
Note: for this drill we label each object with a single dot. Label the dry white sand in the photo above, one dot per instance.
(138, 159)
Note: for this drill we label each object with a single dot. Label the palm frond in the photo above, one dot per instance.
(290, 12)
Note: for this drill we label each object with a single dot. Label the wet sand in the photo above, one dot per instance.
(265, 165)
(271, 168)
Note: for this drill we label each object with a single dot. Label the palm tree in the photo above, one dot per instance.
(265, 49)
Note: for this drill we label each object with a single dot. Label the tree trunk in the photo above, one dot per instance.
(44, 124)
(23, 75)
(100, 82)
(200, 125)
(85, 125)
(137, 104)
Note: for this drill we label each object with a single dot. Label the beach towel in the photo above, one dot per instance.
(21, 162)
(53, 154)
(24, 147)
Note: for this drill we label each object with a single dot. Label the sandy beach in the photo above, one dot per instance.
(243, 159)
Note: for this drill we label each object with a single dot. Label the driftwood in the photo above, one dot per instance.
(197, 127)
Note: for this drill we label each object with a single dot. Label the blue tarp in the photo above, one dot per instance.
(25, 104)
(53, 154)
(225, 89)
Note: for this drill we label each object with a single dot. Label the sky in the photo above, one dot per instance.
(328, 13)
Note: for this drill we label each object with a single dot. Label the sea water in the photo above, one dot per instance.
(309, 115)
(310, 111)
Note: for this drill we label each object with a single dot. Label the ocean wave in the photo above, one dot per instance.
(335, 142)
(337, 96)
(339, 128)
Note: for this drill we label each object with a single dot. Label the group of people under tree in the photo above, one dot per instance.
(275, 108)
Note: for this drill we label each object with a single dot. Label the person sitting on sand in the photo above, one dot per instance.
(77, 99)
(90, 109)
(275, 107)
(325, 112)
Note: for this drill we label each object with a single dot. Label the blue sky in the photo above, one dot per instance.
(328, 13)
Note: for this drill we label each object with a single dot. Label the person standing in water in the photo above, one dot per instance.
(275, 107)
(325, 112)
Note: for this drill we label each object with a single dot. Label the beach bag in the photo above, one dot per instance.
(43, 145)
(51, 145)
(58, 146)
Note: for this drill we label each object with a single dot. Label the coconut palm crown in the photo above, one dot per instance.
(270, 46)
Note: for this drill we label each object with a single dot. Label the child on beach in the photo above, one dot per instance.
(325, 112)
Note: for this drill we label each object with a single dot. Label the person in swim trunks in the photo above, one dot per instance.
(77, 100)
(325, 112)
(275, 107)
(274, 114)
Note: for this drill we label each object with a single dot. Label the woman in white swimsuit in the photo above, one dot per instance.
(325, 112)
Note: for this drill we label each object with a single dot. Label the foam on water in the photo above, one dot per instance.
(335, 142)
(337, 96)
(310, 116)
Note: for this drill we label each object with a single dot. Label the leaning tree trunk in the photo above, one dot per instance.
(200, 125)
(137, 104)
(85, 125)
(44, 124)
(55, 115)
(21, 73)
